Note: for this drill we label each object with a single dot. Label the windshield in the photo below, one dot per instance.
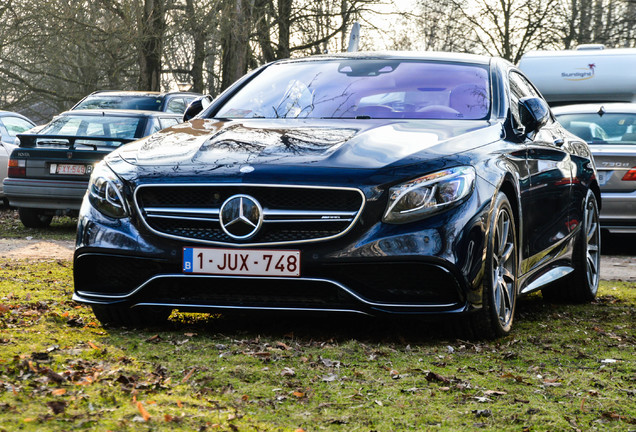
(99, 126)
(614, 128)
(358, 88)
(146, 103)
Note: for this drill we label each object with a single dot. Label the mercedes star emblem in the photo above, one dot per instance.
(241, 217)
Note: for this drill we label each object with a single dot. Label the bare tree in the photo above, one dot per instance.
(608, 22)
(508, 28)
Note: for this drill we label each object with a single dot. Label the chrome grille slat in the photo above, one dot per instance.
(292, 214)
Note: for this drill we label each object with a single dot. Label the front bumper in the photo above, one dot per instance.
(45, 194)
(434, 266)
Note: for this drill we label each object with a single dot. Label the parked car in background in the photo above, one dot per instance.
(11, 124)
(413, 184)
(171, 102)
(610, 131)
(602, 84)
(49, 171)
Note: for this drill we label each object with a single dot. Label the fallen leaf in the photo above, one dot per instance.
(188, 375)
(298, 394)
(143, 411)
(58, 407)
(155, 338)
(53, 376)
(283, 345)
(482, 399)
(330, 377)
(495, 392)
(432, 376)
(58, 392)
(515, 377)
(288, 372)
(92, 345)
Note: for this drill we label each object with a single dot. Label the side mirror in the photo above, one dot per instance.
(534, 113)
(196, 106)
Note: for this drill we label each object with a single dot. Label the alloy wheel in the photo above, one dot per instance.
(503, 268)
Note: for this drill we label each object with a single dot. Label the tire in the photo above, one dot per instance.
(499, 288)
(581, 285)
(34, 218)
(122, 316)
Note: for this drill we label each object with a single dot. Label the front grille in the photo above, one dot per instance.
(246, 293)
(290, 214)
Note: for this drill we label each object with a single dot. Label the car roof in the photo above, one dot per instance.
(119, 113)
(590, 108)
(399, 55)
(132, 93)
(4, 113)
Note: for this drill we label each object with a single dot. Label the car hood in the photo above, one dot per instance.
(358, 144)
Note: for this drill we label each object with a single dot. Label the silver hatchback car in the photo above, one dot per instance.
(610, 131)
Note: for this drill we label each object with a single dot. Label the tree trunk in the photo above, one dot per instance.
(199, 36)
(151, 28)
(235, 41)
(284, 24)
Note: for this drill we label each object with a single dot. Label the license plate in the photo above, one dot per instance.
(68, 169)
(243, 262)
(604, 176)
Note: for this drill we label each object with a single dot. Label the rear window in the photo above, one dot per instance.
(614, 128)
(146, 103)
(357, 88)
(101, 126)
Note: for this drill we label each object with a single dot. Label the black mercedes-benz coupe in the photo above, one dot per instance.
(397, 183)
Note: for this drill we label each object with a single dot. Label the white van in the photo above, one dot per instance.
(587, 74)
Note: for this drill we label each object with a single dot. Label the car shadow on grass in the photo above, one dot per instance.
(339, 327)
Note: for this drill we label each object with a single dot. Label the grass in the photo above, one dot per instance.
(62, 227)
(564, 368)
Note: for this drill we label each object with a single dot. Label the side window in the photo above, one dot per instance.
(155, 126)
(188, 101)
(519, 88)
(16, 125)
(176, 105)
(167, 122)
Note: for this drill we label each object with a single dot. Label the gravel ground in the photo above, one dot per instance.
(613, 267)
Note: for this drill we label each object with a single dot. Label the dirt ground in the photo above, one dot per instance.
(613, 267)
(36, 249)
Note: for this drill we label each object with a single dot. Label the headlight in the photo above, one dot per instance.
(426, 195)
(106, 192)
